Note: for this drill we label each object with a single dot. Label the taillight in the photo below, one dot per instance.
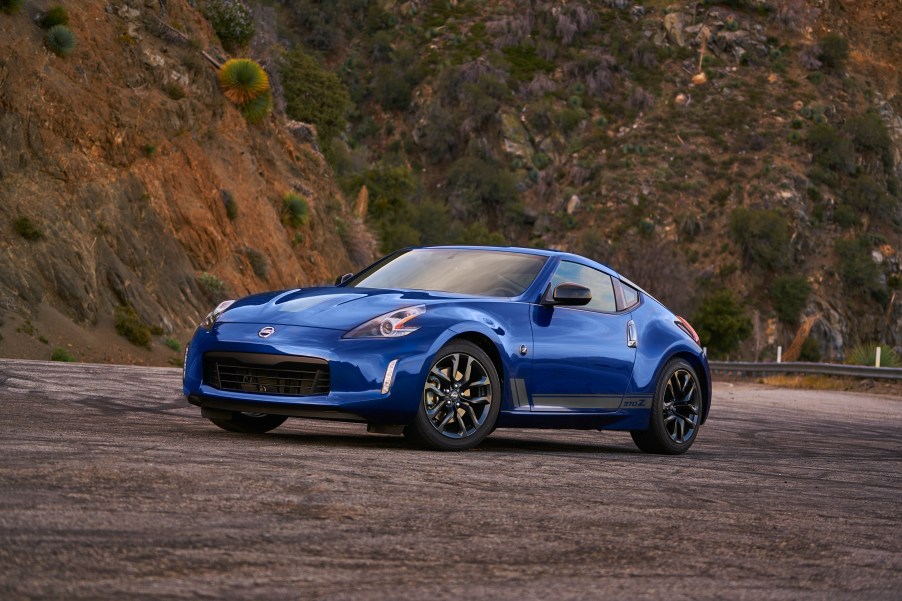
(684, 325)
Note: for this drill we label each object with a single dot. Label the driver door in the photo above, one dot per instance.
(582, 359)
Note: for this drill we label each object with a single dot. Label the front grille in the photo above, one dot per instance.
(267, 374)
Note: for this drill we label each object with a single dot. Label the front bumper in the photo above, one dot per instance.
(357, 369)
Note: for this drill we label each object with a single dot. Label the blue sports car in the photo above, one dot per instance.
(445, 344)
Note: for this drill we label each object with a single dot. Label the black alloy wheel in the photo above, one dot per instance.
(460, 401)
(675, 413)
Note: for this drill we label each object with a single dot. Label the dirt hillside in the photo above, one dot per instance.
(122, 157)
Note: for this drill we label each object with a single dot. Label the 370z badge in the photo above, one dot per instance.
(266, 332)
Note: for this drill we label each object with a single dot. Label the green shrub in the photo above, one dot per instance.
(130, 326)
(391, 88)
(869, 132)
(690, 226)
(296, 209)
(257, 109)
(61, 354)
(55, 15)
(763, 237)
(857, 270)
(10, 7)
(789, 295)
(174, 90)
(231, 20)
(173, 344)
(810, 351)
(831, 149)
(26, 228)
(149, 150)
(866, 354)
(60, 40)
(212, 287)
(569, 119)
(478, 188)
(479, 235)
(541, 160)
(844, 216)
(524, 62)
(722, 323)
(258, 263)
(833, 50)
(393, 212)
(314, 94)
(231, 205)
(868, 195)
(242, 80)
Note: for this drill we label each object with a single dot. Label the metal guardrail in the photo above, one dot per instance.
(825, 369)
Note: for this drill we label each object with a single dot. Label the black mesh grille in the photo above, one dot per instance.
(266, 374)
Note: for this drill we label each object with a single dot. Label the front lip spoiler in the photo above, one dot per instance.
(270, 408)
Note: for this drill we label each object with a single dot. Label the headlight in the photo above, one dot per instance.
(213, 315)
(390, 325)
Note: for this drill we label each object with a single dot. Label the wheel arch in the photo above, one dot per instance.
(490, 348)
(700, 371)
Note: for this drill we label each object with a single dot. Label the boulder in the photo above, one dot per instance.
(573, 204)
(516, 138)
(674, 23)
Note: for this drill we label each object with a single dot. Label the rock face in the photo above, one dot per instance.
(121, 155)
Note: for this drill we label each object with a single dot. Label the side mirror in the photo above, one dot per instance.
(568, 294)
(343, 278)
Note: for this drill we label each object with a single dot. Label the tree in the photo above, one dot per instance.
(834, 50)
(763, 237)
(789, 295)
(313, 94)
(722, 323)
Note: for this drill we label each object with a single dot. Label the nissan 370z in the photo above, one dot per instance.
(445, 344)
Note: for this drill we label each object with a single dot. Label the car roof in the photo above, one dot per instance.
(533, 251)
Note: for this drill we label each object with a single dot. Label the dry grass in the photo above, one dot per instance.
(809, 382)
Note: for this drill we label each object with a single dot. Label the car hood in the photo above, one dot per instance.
(332, 308)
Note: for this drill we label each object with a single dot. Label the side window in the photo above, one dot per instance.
(599, 283)
(630, 295)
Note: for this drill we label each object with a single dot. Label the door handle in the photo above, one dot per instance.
(631, 340)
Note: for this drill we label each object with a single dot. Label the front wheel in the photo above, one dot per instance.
(675, 412)
(460, 401)
(248, 423)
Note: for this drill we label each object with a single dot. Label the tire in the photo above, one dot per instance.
(249, 423)
(675, 412)
(460, 401)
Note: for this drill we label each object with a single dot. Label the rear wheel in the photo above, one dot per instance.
(460, 400)
(675, 412)
(248, 423)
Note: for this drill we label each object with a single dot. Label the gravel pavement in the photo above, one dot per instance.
(113, 487)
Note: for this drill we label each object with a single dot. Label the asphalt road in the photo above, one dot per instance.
(111, 486)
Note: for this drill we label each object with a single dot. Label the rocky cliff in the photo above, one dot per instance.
(732, 156)
(127, 180)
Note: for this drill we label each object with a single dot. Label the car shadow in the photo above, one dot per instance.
(497, 443)
(520, 445)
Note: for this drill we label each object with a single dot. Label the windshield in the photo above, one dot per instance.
(460, 271)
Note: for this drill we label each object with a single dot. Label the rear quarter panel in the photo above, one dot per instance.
(661, 340)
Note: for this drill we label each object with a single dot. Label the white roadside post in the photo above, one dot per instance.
(779, 354)
(877, 355)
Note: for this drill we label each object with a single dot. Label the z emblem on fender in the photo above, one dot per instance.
(266, 332)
